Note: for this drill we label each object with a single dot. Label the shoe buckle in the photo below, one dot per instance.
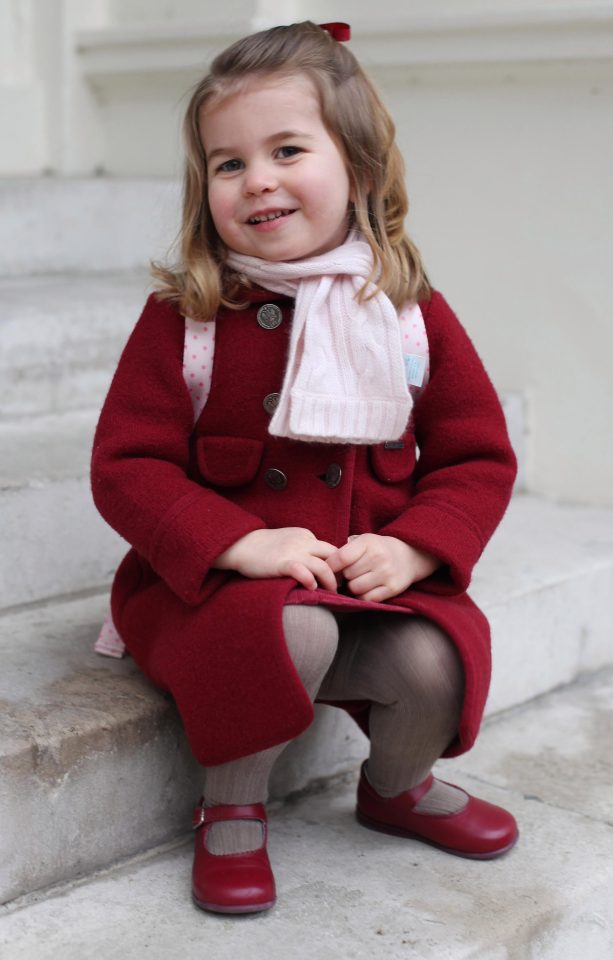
(198, 817)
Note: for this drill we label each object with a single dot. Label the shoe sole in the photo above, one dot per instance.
(221, 908)
(408, 834)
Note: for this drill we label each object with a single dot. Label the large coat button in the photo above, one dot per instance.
(333, 475)
(269, 316)
(275, 479)
(271, 402)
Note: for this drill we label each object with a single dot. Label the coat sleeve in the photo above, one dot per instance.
(466, 468)
(140, 461)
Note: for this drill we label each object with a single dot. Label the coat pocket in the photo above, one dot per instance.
(228, 461)
(394, 461)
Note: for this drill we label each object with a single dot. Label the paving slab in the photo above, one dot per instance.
(560, 753)
(348, 892)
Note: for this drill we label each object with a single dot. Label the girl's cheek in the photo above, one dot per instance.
(217, 204)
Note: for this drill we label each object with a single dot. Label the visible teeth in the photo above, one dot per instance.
(270, 216)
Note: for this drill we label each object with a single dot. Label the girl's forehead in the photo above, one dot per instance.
(277, 86)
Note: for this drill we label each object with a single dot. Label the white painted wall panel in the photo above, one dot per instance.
(509, 171)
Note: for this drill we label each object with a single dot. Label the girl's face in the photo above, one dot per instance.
(278, 186)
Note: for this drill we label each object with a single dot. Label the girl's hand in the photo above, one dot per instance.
(377, 568)
(284, 552)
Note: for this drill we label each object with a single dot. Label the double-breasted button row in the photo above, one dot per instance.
(269, 316)
(277, 480)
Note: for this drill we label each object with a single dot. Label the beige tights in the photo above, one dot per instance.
(311, 634)
(410, 671)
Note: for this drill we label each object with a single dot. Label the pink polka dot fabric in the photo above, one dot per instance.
(414, 339)
(198, 361)
(109, 643)
(198, 350)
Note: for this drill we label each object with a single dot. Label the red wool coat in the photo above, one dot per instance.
(181, 494)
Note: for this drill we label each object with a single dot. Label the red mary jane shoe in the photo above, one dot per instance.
(480, 830)
(231, 882)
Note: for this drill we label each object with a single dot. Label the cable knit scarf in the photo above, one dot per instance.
(345, 380)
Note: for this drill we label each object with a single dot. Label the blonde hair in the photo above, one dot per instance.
(353, 115)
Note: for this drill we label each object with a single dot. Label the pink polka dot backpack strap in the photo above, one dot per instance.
(415, 350)
(198, 349)
(198, 352)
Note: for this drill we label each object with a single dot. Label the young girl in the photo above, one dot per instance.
(307, 456)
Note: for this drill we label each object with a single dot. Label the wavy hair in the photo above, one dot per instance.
(355, 117)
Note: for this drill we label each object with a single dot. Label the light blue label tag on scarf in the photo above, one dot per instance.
(415, 369)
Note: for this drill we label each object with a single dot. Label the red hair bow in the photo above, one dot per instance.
(338, 31)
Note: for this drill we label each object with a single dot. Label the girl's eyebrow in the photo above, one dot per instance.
(281, 135)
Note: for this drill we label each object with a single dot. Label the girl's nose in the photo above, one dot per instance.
(259, 178)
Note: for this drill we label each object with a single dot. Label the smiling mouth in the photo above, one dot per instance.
(263, 217)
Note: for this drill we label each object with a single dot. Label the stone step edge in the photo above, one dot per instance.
(62, 887)
(312, 787)
(184, 838)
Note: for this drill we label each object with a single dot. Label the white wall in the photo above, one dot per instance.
(504, 114)
(510, 176)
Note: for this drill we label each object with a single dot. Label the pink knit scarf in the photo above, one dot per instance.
(345, 380)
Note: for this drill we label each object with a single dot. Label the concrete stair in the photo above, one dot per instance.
(94, 764)
(61, 335)
(80, 225)
(348, 892)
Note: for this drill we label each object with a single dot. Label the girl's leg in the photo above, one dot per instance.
(412, 673)
(311, 634)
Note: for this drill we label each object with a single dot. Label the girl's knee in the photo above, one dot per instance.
(433, 650)
(419, 659)
(311, 635)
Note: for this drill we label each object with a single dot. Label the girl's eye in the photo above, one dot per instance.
(229, 166)
(285, 152)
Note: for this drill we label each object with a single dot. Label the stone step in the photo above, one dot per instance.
(46, 511)
(46, 508)
(545, 583)
(348, 892)
(83, 225)
(84, 736)
(60, 338)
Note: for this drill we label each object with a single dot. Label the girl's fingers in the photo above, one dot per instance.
(322, 549)
(324, 574)
(361, 585)
(346, 555)
(312, 572)
(298, 571)
(377, 595)
(358, 569)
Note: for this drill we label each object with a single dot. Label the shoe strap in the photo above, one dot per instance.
(416, 793)
(413, 796)
(228, 811)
